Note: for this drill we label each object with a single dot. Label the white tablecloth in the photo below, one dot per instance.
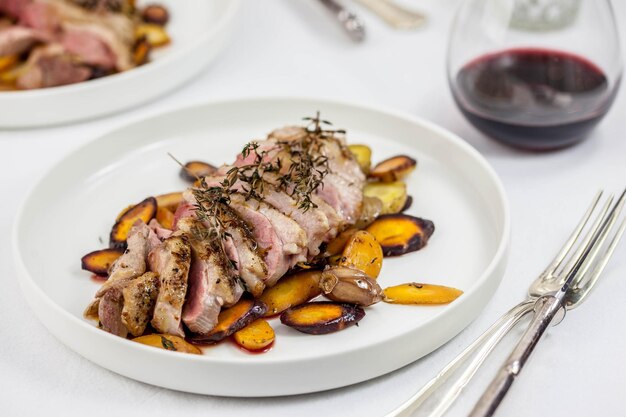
(287, 47)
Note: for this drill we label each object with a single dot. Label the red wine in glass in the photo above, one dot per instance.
(536, 99)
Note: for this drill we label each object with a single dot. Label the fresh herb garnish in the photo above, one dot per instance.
(167, 344)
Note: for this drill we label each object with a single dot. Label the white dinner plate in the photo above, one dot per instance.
(71, 210)
(199, 30)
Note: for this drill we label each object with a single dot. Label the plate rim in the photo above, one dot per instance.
(498, 260)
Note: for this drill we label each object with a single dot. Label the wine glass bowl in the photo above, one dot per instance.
(540, 80)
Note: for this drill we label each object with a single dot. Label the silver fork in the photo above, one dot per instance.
(548, 282)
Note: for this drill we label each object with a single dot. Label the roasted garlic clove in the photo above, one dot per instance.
(350, 285)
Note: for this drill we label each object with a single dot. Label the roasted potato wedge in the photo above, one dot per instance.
(393, 169)
(363, 155)
(170, 201)
(256, 336)
(193, 170)
(400, 233)
(144, 211)
(141, 51)
(168, 342)
(364, 253)
(8, 61)
(414, 293)
(165, 217)
(154, 34)
(322, 317)
(231, 320)
(156, 14)
(291, 291)
(99, 261)
(393, 195)
(371, 208)
(348, 285)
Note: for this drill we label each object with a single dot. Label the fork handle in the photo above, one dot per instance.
(478, 351)
(546, 309)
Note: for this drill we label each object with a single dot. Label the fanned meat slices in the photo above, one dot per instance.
(259, 241)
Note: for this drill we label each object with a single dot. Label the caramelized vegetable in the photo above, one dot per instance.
(165, 217)
(100, 261)
(144, 211)
(400, 233)
(393, 195)
(407, 204)
(322, 317)
(170, 201)
(11, 74)
(168, 342)
(364, 253)
(154, 34)
(196, 169)
(156, 14)
(414, 293)
(335, 246)
(350, 285)
(257, 335)
(363, 155)
(393, 169)
(141, 51)
(291, 291)
(8, 61)
(371, 208)
(231, 320)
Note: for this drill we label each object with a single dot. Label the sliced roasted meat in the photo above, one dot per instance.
(171, 260)
(239, 245)
(251, 265)
(133, 262)
(212, 281)
(15, 40)
(87, 44)
(51, 66)
(110, 312)
(139, 299)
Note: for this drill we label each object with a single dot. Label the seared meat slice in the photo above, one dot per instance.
(16, 40)
(252, 268)
(139, 298)
(321, 223)
(344, 183)
(171, 261)
(50, 66)
(212, 281)
(87, 43)
(240, 246)
(110, 312)
(133, 262)
(292, 237)
(161, 232)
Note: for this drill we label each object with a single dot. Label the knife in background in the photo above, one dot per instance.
(350, 22)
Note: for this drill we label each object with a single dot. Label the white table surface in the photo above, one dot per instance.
(287, 47)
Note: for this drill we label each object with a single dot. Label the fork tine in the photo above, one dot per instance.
(603, 235)
(584, 288)
(592, 248)
(569, 244)
(580, 249)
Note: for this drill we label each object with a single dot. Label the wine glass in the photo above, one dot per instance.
(535, 74)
